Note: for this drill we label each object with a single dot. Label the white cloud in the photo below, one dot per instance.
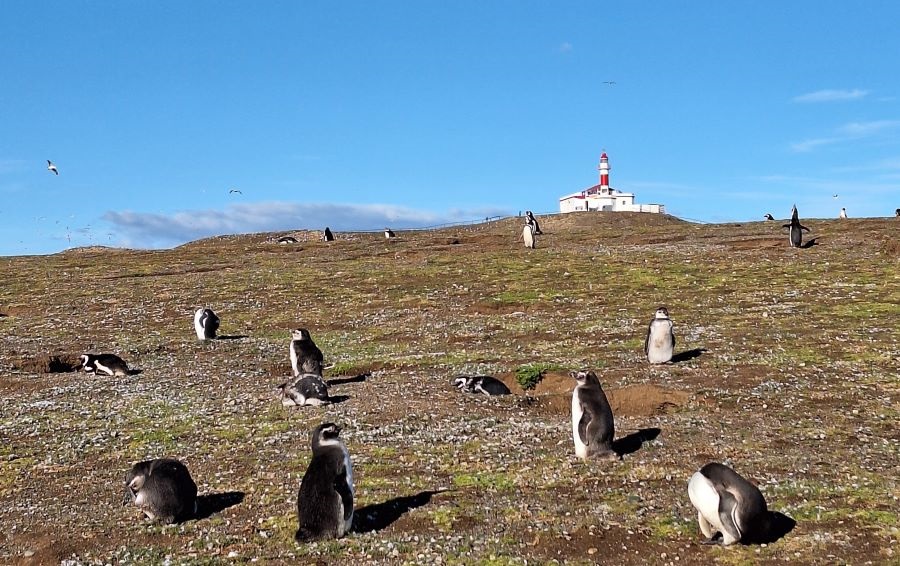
(847, 132)
(144, 229)
(830, 95)
(862, 129)
(564, 47)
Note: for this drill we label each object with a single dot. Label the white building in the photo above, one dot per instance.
(605, 198)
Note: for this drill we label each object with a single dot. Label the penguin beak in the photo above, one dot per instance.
(129, 497)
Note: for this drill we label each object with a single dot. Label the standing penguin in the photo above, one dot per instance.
(325, 499)
(726, 503)
(530, 219)
(388, 233)
(843, 213)
(206, 323)
(110, 364)
(593, 428)
(795, 232)
(306, 389)
(327, 236)
(163, 489)
(306, 357)
(660, 342)
(528, 236)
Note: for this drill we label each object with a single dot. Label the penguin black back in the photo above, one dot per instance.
(795, 232)
(593, 427)
(327, 236)
(306, 357)
(729, 505)
(325, 499)
(163, 489)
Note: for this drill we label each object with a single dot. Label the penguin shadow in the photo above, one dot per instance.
(378, 516)
(134, 371)
(210, 504)
(232, 337)
(779, 526)
(688, 355)
(633, 442)
(343, 380)
(809, 243)
(335, 399)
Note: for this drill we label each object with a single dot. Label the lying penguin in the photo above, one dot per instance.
(305, 389)
(110, 364)
(483, 384)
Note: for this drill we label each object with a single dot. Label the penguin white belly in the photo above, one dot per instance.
(705, 500)
(580, 447)
(198, 328)
(294, 361)
(661, 348)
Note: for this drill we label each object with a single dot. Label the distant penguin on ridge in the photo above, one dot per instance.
(729, 505)
(769, 216)
(795, 233)
(659, 345)
(897, 213)
(593, 428)
(325, 499)
(483, 384)
(388, 233)
(528, 236)
(109, 364)
(327, 236)
(305, 389)
(843, 213)
(206, 323)
(287, 240)
(530, 219)
(306, 357)
(163, 489)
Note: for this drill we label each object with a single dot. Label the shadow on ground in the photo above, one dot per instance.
(379, 516)
(208, 505)
(633, 442)
(688, 355)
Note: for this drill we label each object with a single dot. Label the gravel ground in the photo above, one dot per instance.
(788, 369)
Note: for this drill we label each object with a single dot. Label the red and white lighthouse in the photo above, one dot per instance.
(604, 173)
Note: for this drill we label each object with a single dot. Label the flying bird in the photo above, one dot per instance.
(610, 83)
(834, 196)
(235, 191)
(52, 167)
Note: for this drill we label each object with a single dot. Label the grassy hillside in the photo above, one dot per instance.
(789, 370)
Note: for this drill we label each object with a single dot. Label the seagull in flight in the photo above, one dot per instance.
(610, 83)
(235, 191)
(834, 196)
(52, 167)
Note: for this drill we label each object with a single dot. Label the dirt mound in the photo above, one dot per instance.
(553, 395)
(47, 363)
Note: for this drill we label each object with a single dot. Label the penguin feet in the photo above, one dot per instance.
(716, 539)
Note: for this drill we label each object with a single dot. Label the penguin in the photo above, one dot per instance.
(325, 499)
(388, 233)
(109, 364)
(727, 503)
(897, 213)
(769, 216)
(306, 389)
(528, 236)
(327, 236)
(660, 342)
(483, 384)
(163, 489)
(306, 357)
(52, 168)
(843, 213)
(593, 428)
(287, 240)
(206, 323)
(530, 219)
(795, 233)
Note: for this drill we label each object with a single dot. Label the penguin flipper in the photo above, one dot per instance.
(728, 509)
(583, 424)
(647, 340)
(344, 491)
(802, 227)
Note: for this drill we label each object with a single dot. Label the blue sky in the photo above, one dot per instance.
(367, 114)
